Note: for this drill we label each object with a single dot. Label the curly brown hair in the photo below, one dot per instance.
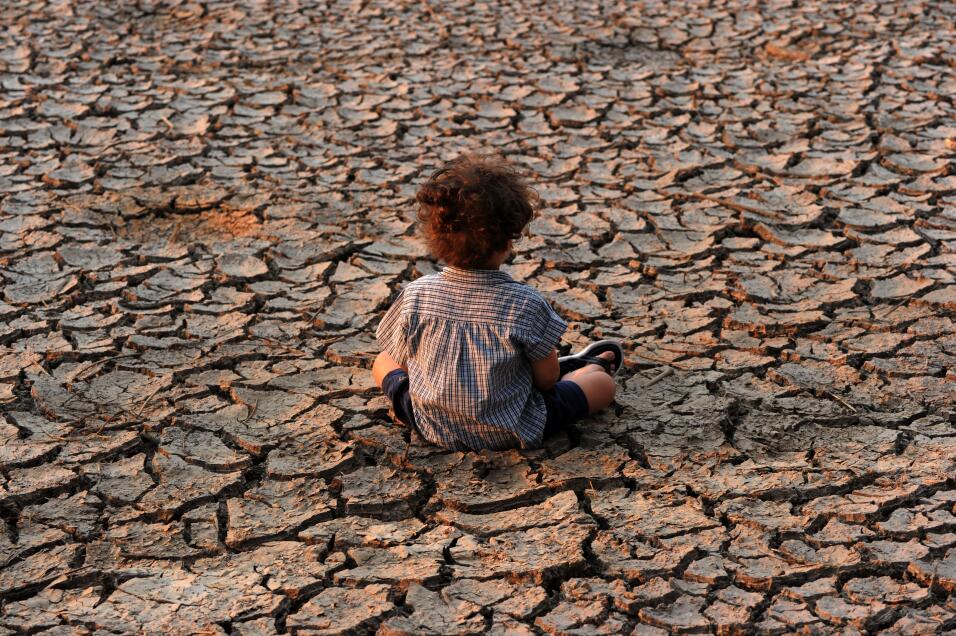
(471, 207)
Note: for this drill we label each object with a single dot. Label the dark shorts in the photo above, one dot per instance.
(565, 402)
(395, 387)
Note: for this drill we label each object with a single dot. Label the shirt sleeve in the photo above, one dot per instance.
(392, 331)
(545, 334)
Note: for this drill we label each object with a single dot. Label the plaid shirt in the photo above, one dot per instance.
(467, 338)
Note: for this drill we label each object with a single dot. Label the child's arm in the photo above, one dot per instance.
(383, 365)
(392, 337)
(546, 371)
(539, 343)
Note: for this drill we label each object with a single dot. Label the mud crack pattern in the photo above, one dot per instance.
(206, 206)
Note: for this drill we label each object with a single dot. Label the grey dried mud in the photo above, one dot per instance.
(205, 208)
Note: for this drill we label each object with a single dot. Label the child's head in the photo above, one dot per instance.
(472, 208)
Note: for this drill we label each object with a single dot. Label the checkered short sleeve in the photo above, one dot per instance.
(544, 334)
(392, 331)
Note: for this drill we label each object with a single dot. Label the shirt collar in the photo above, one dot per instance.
(475, 275)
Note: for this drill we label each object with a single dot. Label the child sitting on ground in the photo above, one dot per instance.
(469, 356)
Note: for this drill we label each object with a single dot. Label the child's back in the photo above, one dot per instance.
(466, 338)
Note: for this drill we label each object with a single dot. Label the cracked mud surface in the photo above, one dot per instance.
(205, 208)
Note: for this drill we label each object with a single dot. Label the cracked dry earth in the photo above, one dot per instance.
(206, 207)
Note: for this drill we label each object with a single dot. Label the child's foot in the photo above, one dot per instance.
(608, 355)
(596, 368)
(593, 368)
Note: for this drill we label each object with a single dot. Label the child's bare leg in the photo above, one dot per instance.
(384, 364)
(598, 387)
